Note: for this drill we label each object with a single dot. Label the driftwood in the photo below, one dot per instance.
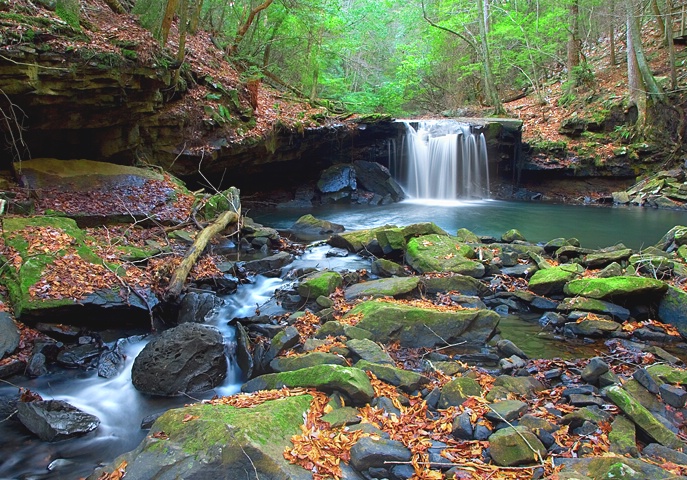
(176, 284)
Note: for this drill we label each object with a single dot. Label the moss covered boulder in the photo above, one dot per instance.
(41, 249)
(616, 287)
(358, 240)
(424, 327)
(666, 374)
(319, 283)
(406, 380)
(514, 446)
(455, 392)
(219, 442)
(352, 382)
(311, 359)
(552, 280)
(308, 227)
(385, 287)
(672, 309)
(437, 253)
(454, 283)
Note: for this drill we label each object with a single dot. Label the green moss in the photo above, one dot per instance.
(604, 288)
(552, 280)
(320, 283)
(668, 374)
(68, 10)
(439, 253)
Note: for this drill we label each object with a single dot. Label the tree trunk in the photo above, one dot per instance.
(634, 76)
(671, 44)
(183, 29)
(167, 19)
(659, 18)
(573, 43)
(176, 284)
(195, 17)
(489, 85)
(115, 6)
(652, 88)
(612, 60)
(243, 29)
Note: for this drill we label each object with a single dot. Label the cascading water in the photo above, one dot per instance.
(443, 160)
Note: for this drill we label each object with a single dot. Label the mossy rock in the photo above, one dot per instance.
(514, 446)
(642, 417)
(312, 359)
(391, 240)
(220, 441)
(420, 229)
(672, 309)
(352, 382)
(385, 287)
(552, 280)
(623, 436)
(228, 199)
(466, 236)
(455, 283)
(319, 283)
(424, 327)
(512, 235)
(616, 287)
(526, 386)
(406, 380)
(601, 259)
(358, 240)
(438, 253)
(666, 374)
(595, 306)
(612, 468)
(455, 392)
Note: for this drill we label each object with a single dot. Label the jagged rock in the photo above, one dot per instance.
(370, 351)
(423, 327)
(642, 417)
(623, 436)
(672, 309)
(9, 335)
(185, 359)
(222, 442)
(291, 363)
(406, 380)
(621, 198)
(319, 283)
(109, 363)
(616, 287)
(369, 452)
(54, 420)
(552, 280)
(391, 240)
(438, 253)
(195, 306)
(352, 382)
(79, 356)
(375, 178)
(455, 392)
(386, 287)
(514, 446)
(269, 266)
(386, 268)
(308, 227)
(337, 178)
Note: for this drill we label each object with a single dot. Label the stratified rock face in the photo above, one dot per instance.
(55, 420)
(185, 359)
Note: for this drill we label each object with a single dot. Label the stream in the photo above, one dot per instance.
(121, 408)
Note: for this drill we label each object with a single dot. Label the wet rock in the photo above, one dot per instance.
(308, 227)
(623, 436)
(270, 266)
(673, 396)
(537, 423)
(319, 283)
(9, 335)
(186, 359)
(466, 236)
(672, 309)
(386, 287)
(591, 328)
(337, 178)
(512, 235)
(282, 341)
(352, 382)
(552, 319)
(109, 363)
(370, 351)
(36, 366)
(514, 446)
(594, 306)
(508, 348)
(642, 417)
(456, 391)
(55, 420)
(406, 380)
(424, 327)
(12, 367)
(196, 306)
(358, 241)
(594, 369)
(369, 452)
(244, 357)
(511, 363)
(78, 356)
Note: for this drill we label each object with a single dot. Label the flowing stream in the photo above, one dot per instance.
(121, 408)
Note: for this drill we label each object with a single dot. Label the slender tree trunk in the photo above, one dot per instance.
(167, 19)
(115, 6)
(183, 29)
(611, 33)
(489, 85)
(194, 21)
(243, 29)
(659, 18)
(652, 88)
(671, 44)
(573, 43)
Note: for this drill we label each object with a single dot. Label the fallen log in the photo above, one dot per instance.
(176, 284)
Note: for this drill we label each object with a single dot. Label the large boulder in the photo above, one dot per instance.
(439, 253)
(189, 358)
(219, 442)
(616, 287)
(352, 382)
(337, 178)
(424, 327)
(375, 178)
(552, 280)
(319, 283)
(385, 287)
(54, 420)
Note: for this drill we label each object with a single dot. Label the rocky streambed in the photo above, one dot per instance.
(401, 364)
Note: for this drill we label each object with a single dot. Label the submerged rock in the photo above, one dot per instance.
(186, 359)
(54, 420)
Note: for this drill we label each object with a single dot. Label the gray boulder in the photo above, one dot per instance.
(308, 227)
(9, 335)
(269, 266)
(186, 359)
(195, 306)
(54, 420)
(375, 178)
(370, 452)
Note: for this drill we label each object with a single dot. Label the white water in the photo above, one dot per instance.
(442, 160)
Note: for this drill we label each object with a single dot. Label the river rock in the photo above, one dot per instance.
(337, 178)
(506, 410)
(319, 283)
(308, 227)
(54, 420)
(512, 235)
(365, 349)
(672, 309)
(186, 359)
(660, 453)
(386, 268)
(9, 335)
(386, 287)
(525, 386)
(674, 238)
(79, 355)
(424, 327)
(674, 396)
(438, 253)
(220, 442)
(612, 467)
(352, 382)
(508, 348)
(514, 446)
(642, 417)
(594, 369)
(406, 380)
(616, 287)
(455, 392)
(311, 359)
(466, 236)
(376, 178)
(195, 306)
(623, 437)
(369, 452)
(591, 328)
(359, 240)
(458, 283)
(269, 266)
(604, 258)
(582, 304)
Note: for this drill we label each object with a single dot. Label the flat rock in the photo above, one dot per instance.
(369, 452)
(368, 350)
(406, 380)
(385, 287)
(440, 253)
(507, 410)
(513, 446)
(311, 359)
(616, 287)
(269, 266)
(54, 420)
(456, 391)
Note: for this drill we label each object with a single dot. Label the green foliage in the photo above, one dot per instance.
(150, 14)
(567, 98)
(582, 74)
(68, 10)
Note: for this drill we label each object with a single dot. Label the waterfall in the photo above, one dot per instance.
(443, 160)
